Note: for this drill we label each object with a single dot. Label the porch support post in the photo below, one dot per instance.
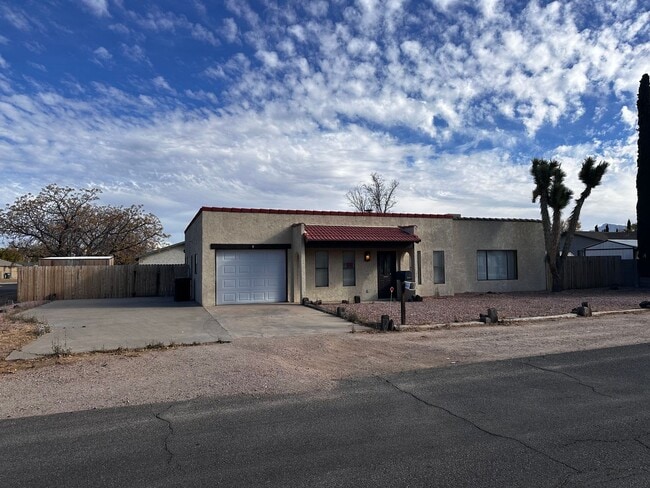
(298, 263)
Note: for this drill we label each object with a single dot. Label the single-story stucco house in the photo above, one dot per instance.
(239, 255)
(174, 254)
(8, 270)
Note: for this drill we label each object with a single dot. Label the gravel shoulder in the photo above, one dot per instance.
(286, 365)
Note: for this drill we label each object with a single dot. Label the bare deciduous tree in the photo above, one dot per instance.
(62, 221)
(376, 196)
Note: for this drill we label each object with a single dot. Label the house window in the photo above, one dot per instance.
(349, 278)
(419, 261)
(439, 267)
(196, 263)
(322, 268)
(496, 265)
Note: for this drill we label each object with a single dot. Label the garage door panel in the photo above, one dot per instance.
(229, 298)
(251, 276)
(228, 255)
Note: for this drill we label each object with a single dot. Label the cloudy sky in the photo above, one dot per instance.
(280, 104)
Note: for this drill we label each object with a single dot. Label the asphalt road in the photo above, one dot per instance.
(578, 419)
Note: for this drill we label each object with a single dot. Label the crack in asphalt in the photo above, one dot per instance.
(170, 433)
(639, 441)
(577, 380)
(478, 427)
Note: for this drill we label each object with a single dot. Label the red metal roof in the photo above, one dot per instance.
(332, 233)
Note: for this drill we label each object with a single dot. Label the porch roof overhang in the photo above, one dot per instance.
(355, 236)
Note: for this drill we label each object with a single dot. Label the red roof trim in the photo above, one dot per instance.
(323, 212)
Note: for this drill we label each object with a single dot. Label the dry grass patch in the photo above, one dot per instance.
(14, 334)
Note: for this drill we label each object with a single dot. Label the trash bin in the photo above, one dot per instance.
(182, 289)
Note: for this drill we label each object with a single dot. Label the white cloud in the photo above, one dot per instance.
(3, 63)
(98, 8)
(120, 28)
(160, 82)
(102, 56)
(269, 58)
(16, 18)
(135, 53)
(230, 29)
(200, 33)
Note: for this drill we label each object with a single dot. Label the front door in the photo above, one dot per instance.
(385, 269)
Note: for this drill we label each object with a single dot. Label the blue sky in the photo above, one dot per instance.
(178, 105)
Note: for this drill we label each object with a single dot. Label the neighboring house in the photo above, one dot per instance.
(77, 261)
(174, 254)
(8, 270)
(584, 239)
(625, 248)
(258, 255)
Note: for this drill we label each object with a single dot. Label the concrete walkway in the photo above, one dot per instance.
(109, 324)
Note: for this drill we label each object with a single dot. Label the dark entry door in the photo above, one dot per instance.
(385, 269)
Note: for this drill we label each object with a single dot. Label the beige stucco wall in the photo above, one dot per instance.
(471, 235)
(365, 276)
(12, 271)
(459, 239)
(195, 247)
(174, 255)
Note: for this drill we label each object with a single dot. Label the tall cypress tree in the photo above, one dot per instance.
(643, 178)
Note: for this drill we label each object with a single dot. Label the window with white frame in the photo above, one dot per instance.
(439, 267)
(322, 268)
(496, 265)
(349, 278)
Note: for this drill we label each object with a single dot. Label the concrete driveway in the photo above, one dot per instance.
(277, 320)
(109, 324)
(131, 323)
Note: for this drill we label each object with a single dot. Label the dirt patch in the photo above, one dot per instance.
(16, 333)
(466, 307)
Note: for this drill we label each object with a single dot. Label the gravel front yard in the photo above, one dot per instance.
(466, 307)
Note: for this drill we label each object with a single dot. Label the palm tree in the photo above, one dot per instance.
(555, 196)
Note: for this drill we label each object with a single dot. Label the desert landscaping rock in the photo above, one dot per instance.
(468, 307)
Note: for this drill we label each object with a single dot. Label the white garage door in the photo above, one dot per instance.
(251, 276)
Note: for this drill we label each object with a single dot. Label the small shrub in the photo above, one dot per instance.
(59, 349)
(19, 318)
(43, 329)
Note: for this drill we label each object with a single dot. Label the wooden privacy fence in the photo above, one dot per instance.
(76, 282)
(596, 272)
